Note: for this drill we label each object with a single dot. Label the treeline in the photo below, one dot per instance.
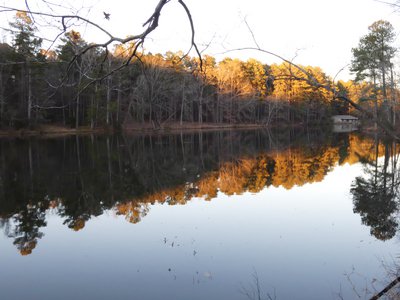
(58, 87)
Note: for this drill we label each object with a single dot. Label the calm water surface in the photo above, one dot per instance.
(210, 215)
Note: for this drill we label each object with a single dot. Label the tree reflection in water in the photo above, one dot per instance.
(375, 195)
(81, 177)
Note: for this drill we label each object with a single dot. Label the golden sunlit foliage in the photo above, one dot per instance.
(208, 186)
(27, 248)
(78, 224)
(74, 36)
(242, 79)
(363, 149)
(132, 211)
(22, 16)
(291, 84)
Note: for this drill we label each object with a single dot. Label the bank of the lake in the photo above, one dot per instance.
(147, 128)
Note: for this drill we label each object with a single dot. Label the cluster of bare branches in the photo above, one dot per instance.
(394, 4)
(63, 22)
(254, 291)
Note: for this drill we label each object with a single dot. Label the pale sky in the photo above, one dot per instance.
(315, 32)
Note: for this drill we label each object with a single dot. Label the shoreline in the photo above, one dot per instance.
(46, 131)
(49, 131)
(59, 130)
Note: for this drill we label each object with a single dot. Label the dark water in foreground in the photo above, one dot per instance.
(216, 215)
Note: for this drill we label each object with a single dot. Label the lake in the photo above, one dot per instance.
(258, 214)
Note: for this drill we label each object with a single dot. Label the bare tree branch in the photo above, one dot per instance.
(27, 7)
(386, 289)
(193, 44)
(252, 33)
(395, 5)
(338, 72)
(62, 18)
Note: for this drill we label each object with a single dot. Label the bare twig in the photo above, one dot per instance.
(252, 33)
(61, 17)
(193, 43)
(254, 292)
(395, 5)
(28, 8)
(386, 289)
(341, 70)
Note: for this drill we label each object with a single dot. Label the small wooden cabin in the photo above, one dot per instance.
(345, 119)
(345, 123)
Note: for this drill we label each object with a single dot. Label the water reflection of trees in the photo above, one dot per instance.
(81, 177)
(375, 195)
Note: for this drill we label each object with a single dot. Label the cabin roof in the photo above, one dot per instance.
(349, 117)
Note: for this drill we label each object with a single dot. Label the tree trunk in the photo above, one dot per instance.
(78, 96)
(109, 165)
(200, 117)
(2, 100)
(384, 83)
(183, 101)
(108, 97)
(77, 110)
(375, 105)
(93, 113)
(118, 103)
(63, 106)
(393, 94)
(29, 81)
